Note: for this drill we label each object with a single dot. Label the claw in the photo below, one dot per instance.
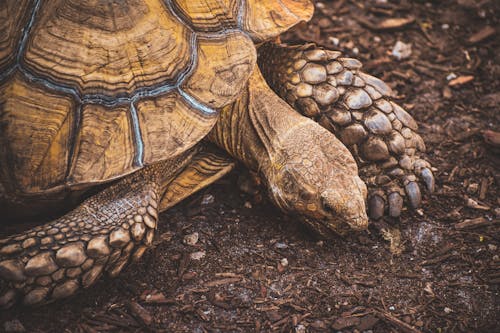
(428, 178)
(395, 204)
(376, 207)
(414, 195)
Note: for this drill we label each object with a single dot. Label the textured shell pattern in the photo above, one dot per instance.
(93, 90)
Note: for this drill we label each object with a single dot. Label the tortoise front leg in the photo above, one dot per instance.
(357, 108)
(101, 235)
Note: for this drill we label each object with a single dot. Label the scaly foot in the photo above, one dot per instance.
(357, 108)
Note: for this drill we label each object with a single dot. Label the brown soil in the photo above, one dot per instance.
(447, 278)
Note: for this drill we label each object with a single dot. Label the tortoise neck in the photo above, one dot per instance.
(256, 126)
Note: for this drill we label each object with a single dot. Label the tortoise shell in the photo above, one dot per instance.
(93, 90)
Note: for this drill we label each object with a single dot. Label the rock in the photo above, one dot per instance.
(279, 245)
(191, 239)
(207, 199)
(198, 255)
(401, 50)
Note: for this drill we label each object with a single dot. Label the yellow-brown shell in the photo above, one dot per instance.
(94, 90)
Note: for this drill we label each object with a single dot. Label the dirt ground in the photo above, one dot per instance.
(254, 269)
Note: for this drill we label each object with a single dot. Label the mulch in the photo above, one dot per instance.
(224, 261)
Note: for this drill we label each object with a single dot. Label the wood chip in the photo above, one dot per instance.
(492, 137)
(481, 35)
(387, 24)
(220, 282)
(474, 223)
(401, 325)
(157, 298)
(140, 313)
(461, 80)
(395, 23)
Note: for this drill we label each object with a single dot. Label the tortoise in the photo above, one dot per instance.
(112, 112)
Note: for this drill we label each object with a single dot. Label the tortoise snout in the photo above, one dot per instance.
(350, 210)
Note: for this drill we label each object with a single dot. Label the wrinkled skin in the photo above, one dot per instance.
(306, 169)
(317, 180)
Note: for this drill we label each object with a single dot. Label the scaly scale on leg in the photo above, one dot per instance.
(356, 107)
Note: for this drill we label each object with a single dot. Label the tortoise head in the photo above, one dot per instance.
(312, 174)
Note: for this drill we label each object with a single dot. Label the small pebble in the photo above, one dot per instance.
(284, 262)
(207, 199)
(280, 246)
(401, 50)
(451, 76)
(300, 329)
(335, 41)
(198, 255)
(497, 212)
(191, 239)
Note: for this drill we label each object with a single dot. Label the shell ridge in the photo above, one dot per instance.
(22, 42)
(74, 134)
(241, 14)
(193, 43)
(27, 29)
(137, 136)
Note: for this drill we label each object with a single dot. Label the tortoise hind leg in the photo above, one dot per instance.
(207, 166)
(101, 235)
(356, 107)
